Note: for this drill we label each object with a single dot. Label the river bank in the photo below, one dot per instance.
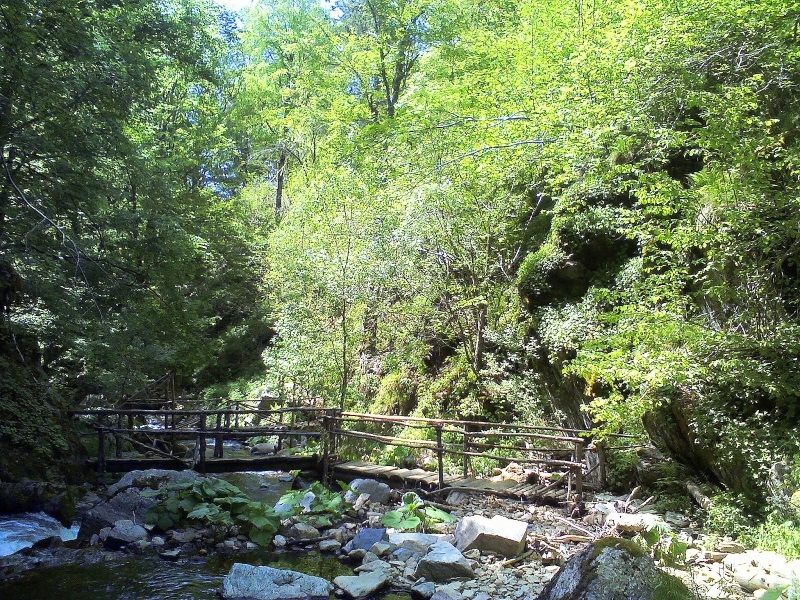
(181, 561)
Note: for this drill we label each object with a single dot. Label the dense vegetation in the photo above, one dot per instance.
(584, 213)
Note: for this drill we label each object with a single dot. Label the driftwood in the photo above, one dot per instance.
(636, 509)
(149, 448)
(696, 493)
(514, 561)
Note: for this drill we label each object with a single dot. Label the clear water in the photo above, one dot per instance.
(23, 530)
(149, 578)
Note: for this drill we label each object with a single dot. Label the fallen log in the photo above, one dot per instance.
(698, 495)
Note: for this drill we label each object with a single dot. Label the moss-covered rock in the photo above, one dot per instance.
(613, 569)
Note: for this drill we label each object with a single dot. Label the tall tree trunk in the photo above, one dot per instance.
(280, 176)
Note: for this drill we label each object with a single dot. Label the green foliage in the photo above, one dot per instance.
(621, 469)
(212, 502)
(414, 515)
(663, 544)
(326, 506)
(779, 536)
(730, 514)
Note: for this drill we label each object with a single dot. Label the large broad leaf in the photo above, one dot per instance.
(204, 511)
(260, 537)
(268, 523)
(188, 504)
(774, 593)
(166, 521)
(436, 515)
(412, 501)
(400, 519)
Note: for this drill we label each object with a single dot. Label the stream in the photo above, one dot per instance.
(147, 577)
(150, 578)
(23, 530)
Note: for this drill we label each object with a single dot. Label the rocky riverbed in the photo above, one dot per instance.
(495, 548)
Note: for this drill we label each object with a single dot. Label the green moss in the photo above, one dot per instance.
(629, 546)
(670, 587)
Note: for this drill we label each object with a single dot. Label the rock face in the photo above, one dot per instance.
(499, 534)
(443, 563)
(55, 499)
(246, 582)
(612, 569)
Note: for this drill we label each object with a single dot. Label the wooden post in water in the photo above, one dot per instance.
(218, 448)
(440, 454)
(202, 444)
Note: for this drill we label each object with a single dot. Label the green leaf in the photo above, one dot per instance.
(437, 515)
(774, 593)
(260, 537)
(401, 520)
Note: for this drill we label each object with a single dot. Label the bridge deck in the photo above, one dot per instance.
(213, 465)
(422, 478)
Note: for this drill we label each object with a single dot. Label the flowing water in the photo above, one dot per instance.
(129, 577)
(23, 530)
(149, 578)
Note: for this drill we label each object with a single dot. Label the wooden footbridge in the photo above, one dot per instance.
(436, 455)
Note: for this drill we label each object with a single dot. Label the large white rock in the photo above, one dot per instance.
(500, 535)
(364, 584)
(443, 563)
(246, 582)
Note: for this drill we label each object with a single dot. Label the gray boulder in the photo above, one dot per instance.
(128, 504)
(246, 582)
(498, 534)
(151, 478)
(443, 563)
(303, 531)
(264, 449)
(365, 539)
(363, 584)
(377, 491)
(123, 533)
(613, 569)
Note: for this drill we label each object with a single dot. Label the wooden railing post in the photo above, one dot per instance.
(601, 460)
(236, 415)
(101, 449)
(218, 441)
(440, 454)
(202, 443)
(579, 473)
(118, 439)
(467, 461)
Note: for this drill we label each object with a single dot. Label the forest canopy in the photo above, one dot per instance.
(574, 213)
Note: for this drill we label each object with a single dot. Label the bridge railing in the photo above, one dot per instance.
(147, 429)
(456, 444)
